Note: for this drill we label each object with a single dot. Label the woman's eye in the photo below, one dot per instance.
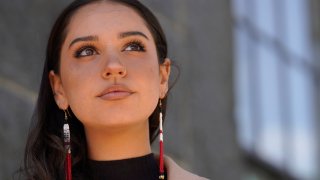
(88, 51)
(134, 46)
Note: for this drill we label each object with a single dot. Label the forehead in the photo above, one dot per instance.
(105, 17)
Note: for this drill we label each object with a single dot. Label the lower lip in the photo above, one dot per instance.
(116, 95)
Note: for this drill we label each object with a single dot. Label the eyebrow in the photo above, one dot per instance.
(121, 36)
(85, 38)
(132, 33)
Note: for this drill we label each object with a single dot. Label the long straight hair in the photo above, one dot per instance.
(44, 154)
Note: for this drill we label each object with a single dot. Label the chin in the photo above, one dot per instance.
(116, 121)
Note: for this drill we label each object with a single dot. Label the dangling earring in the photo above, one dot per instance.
(67, 146)
(161, 165)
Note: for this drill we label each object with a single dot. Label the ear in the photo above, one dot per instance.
(58, 92)
(165, 68)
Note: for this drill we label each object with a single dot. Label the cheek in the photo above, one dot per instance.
(147, 72)
(148, 94)
(151, 83)
(78, 83)
(77, 80)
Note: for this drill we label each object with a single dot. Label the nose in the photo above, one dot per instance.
(114, 68)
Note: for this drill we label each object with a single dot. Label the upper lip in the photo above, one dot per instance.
(115, 88)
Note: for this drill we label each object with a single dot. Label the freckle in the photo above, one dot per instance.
(151, 69)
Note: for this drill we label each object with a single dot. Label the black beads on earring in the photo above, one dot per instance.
(67, 146)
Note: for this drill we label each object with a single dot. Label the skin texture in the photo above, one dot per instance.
(115, 128)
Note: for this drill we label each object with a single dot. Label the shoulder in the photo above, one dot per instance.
(175, 172)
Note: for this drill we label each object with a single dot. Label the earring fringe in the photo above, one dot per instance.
(161, 164)
(67, 146)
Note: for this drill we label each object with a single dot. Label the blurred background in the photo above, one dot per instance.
(246, 105)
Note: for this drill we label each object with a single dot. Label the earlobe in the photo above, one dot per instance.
(57, 89)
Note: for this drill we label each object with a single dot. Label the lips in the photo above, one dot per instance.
(115, 92)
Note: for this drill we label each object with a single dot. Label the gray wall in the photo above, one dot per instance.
(199, 129)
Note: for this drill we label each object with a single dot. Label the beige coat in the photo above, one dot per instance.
(175, 172)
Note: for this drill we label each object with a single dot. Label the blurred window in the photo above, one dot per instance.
(275, 84)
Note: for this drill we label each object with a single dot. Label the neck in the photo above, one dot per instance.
(118, 143)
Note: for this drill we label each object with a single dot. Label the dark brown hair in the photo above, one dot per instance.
(44, 153)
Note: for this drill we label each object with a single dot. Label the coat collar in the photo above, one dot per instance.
(175, 172)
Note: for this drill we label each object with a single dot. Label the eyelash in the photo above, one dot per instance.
(135, 42)
(78, 52)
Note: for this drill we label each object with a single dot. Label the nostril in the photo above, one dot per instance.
(114, 72)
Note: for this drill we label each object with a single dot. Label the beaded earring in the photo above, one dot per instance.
(161, 164)
(67, 146)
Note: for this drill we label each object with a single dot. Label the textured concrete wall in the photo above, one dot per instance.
(199, 128)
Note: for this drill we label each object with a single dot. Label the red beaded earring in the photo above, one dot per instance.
(161, 164)
(67, 147)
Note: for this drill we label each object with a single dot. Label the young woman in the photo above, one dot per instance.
(102, 98)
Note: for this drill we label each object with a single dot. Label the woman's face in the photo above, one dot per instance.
(109, 70)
